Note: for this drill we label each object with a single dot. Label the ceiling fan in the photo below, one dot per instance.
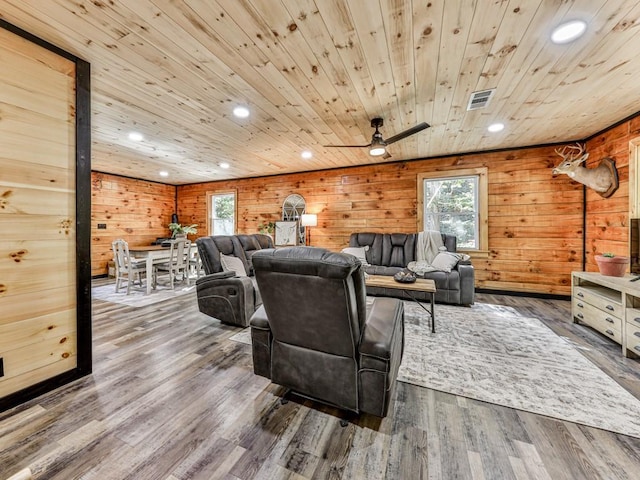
(378, 144)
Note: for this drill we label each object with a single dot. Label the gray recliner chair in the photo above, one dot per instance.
(313, 333)
(224, 295)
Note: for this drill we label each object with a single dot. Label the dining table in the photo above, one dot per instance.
(152, 254)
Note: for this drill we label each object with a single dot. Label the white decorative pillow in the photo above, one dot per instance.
(232, 264)
(445, 261)
(358, 252)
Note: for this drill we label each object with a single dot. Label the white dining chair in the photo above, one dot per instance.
(178, 264)
(195, 262)
(127, 268)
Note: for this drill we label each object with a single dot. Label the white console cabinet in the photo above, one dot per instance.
(610, 305)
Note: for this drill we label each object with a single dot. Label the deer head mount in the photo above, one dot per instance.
(603, 178)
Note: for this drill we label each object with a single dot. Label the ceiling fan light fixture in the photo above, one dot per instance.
(378, 145)
(377, 151)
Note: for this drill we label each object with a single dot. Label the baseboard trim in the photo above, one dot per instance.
(544, 296)
(15, 399)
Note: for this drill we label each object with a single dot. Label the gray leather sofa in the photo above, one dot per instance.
(390, 253)
(224, 295)
(313, 333)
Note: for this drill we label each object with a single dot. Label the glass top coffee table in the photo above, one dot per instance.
(420, 285)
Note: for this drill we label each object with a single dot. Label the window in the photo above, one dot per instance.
(455, 203)
(222, 213)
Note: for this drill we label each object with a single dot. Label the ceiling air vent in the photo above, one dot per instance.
(480, 99)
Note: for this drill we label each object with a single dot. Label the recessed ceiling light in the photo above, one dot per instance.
(496, 127)
(164, 173)
(568, 31)
(135, 136)
(306, 154)
(241, 112)
(224, 165)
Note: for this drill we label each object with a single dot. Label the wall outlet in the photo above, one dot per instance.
(102, 226)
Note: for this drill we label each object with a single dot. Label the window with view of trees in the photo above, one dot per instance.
(454, 203)
(222, 213)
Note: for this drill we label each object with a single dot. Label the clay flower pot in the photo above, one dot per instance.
(612, 266)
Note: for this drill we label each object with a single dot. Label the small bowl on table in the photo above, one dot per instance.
(405, 277)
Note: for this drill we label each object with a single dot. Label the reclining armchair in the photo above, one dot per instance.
(225, 295)
(314, 336)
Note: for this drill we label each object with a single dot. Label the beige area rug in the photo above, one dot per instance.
(491, 354)
(138, 296)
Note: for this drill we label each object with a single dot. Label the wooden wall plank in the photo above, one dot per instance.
(32, 331)
(34, 201)
(22, 172)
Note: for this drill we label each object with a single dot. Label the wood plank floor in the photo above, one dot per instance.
(171, 397)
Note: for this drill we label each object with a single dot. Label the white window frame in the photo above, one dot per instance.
(482, 205)
(210, 220)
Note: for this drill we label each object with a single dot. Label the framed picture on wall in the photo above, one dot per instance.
(286, 233)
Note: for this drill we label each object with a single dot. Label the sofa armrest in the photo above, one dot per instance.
(214, 280)
(261, 343)
(467, 284)
(381, 349)
(215, 276)
(228, 298)
(378, 335)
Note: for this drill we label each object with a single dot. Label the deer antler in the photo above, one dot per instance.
(572, 152)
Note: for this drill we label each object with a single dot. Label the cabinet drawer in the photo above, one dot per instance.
(602, 321)
(633, 316)
(582, 310)
(633, 337)
(601, 298)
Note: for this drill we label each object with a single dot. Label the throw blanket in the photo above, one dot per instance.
(429, 245)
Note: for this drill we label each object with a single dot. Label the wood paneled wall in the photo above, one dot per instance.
(535, 219)
(608, 218)
(38, 325)
(137, 210)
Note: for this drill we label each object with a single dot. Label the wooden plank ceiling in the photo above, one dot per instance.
(314, 72)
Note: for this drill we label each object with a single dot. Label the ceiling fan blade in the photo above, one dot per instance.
(347, 146)
(407, 133)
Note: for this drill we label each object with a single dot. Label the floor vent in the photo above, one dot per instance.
(480, 99)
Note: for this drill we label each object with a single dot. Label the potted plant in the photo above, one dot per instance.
(612, 265)
(180, 230)
(267, 228)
